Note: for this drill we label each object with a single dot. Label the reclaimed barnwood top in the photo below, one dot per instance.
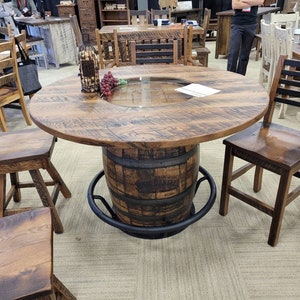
(107, 31)
(62, 110)
(41, 22)
(26, 254)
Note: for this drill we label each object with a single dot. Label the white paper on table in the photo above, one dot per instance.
(197, 90)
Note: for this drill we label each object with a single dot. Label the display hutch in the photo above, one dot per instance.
(65, 10)
(113, 12)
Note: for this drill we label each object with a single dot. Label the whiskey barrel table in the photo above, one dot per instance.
(150, 134)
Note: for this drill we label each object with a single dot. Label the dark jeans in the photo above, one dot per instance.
(241, 40)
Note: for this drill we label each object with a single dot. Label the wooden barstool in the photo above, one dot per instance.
(26, 258)
(29, 150)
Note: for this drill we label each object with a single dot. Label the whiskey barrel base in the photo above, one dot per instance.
(154, 232)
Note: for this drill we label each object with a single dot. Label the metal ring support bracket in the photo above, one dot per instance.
(157, 231)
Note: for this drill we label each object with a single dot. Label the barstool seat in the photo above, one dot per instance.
(29, 150)
(26, 258)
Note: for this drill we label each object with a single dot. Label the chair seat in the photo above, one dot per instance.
(276, 145)
(7, 90)
(29, 150)
(26, 258)
(26, 235)
(33, 144)
(31, 39)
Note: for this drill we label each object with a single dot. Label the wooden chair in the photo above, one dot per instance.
(290, 20)
(282, 46)
(267, 62)
(138, 17)
(26, 258)
(21, 38)
(203, 52)
(10, 85)
(160, 14)
(212, 29)
(29, 150)
(154, 53)
(190, 56)
(286, 20)
(106, 53)
(76, 30)
(269, 146)
(36, 44)
(257, 40)
(123, 42)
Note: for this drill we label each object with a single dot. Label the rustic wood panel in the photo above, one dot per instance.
(62, 110)
(26, 254)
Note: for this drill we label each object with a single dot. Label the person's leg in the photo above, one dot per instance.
(234, 47)
(247, 41)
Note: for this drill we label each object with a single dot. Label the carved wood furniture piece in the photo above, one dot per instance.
(268, 146)
(26, 258)
(154, 129)
(32, 152)
(10, 85)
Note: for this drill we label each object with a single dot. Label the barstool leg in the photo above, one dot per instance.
(61, 290)
(57, 178)
(46, 199)
(2, 193)
(14, 179)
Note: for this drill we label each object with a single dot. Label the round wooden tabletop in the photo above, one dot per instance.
(64, 111)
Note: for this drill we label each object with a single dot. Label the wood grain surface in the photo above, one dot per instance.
(26, 254)
(62, 110)
(41, 22)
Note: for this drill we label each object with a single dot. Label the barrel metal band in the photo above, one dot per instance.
(157, 163)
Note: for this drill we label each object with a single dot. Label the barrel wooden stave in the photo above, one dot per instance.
(152, 187)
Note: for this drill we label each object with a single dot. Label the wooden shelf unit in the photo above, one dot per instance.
(89, 17)
(65, 10)
(113, 16)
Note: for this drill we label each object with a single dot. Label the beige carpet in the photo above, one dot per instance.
(215, 258)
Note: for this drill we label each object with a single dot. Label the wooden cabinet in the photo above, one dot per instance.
(65, 10)
(89, 17)
(113, 12)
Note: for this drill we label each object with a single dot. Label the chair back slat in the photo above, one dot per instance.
(76, 30)
(154, 53)
(123, 40)
(287, 20)
(138, 17)
(286, 85)
(205, 24)
(160, 14)
(106, 54)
